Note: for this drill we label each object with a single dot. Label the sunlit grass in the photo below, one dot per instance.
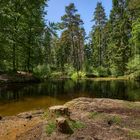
(50, 128)
(134, 134)
(97, 116)
(76, 125)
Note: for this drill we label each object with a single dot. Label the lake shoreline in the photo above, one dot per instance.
(21, 97)
(90, 111)
(18, 78)
(29, 78)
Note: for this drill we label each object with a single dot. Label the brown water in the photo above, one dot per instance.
(17, 98)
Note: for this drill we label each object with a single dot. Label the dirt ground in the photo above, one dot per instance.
(103, 119)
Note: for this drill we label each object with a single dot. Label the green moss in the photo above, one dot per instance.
(50, 128)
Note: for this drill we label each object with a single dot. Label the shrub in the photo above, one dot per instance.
(134, 64)
(101, 71)
(78, 74)
(133, 67)
(115, 71)
(56, 74)
(135, 76)
(95, 72)
(42, 71)
(69, 69)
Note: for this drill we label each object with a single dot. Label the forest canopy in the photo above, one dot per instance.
(29, 43)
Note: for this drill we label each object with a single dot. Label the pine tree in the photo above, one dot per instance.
(97, 35)
(74, 34)
(119, 42)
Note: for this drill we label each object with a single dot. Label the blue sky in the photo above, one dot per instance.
(56, 9)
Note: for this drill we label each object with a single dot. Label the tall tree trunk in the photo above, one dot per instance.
(14, 57)
(28, 61)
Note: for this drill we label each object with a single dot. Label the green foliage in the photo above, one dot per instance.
(21, 32)
(135, 76)
(56, 74)
(134, 134)
(115, 71)
(26, 40)
(76, 125)
(98, 38)
(134, 64)
(69, 69)
(97, 116)
(116, 119)
(42, 71)
(71, 48)
(94, 114)
(105, 117)
(100, 71)
(50, 128)
(95, 72)
(77, 75)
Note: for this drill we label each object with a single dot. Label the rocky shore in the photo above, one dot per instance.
(89, 119)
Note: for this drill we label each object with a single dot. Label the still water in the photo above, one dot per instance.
(17, 98)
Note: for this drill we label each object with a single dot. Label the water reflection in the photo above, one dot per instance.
(18, 98)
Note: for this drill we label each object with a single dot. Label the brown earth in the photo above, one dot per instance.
(103, 119)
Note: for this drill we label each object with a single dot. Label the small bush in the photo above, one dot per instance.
(77, 75)
(114, 71)
(69, 69)
(95, 72)
(133, 67)
(135, 76)
(42, 71)
(134, 64)
(101, 71)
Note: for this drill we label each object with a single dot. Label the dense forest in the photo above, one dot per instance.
(29, 42)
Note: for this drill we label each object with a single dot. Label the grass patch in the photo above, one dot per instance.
(134, 134)
(96, 115)
(116, 119)
(50, 128)
(76, 125)
(132, 105)
(105, 117)
(45, 115)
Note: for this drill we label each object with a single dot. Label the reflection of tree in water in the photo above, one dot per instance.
(68, 89)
